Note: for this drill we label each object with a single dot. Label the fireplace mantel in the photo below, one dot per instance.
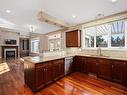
(9, 47)
(6, 45)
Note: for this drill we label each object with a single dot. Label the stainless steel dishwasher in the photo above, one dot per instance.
(68, 64)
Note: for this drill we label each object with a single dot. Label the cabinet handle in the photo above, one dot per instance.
(112, 66)
(124, 63)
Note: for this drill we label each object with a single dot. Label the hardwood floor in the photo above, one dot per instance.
(12, 83)
(80, 84)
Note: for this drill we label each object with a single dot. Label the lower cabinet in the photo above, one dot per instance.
(58, 69)
(125, 73)
(44, 73)
(110, 69)
(91, 64)
(80, 64)
(40, 77)
(48, 73)
(41, 74)
(117, 71)
(104, 69)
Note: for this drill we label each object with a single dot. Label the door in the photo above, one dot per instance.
(117, 71)
(104, 69)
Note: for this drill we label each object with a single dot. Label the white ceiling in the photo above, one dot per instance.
(24, 12)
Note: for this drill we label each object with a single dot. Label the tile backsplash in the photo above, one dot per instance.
(112, 53)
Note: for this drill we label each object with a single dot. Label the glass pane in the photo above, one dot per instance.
(102, 35)
(118, 34)
(57, 44)
(35, 46)
(51, 45)
(89, 36)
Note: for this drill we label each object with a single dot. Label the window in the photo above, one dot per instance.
(54, 42)
(107, 35)
(35, 46)
(102, 35)
(118, 34)
(89, 37)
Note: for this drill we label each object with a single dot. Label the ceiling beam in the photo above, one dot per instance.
(44, 17)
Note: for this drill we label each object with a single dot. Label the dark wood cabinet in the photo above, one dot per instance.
(49, 73)
(91, 64)
(58, 69)
(41, 74)
(80, 64)
(73, 38)
(117, 70)
(104, 69)
(110, 69)
(125, 74)
(40, 77)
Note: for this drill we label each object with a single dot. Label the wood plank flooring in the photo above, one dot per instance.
(81, 84)
(12, 83)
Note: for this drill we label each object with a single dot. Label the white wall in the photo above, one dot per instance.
(8, 35)
(43, 42)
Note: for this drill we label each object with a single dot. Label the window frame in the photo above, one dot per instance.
(36, 40)
(109, 37)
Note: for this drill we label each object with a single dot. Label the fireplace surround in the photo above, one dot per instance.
(9, 51)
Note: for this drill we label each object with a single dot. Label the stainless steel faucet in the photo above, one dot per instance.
(99, 51)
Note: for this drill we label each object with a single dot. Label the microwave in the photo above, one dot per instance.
(10, 42)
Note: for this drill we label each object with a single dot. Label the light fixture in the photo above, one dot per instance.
(113, 1)
(8, 11)
(32, 28)
(73, 16)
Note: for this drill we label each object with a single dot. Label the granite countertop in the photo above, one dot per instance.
(40, 59)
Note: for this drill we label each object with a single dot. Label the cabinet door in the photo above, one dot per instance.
(73, 38)
(58, 68)
(68, 39)
(125, 73)
(91, 64)
(104, 69)
(117, 70)
(61, 68)
(84, 65)
(40, 77)
(80, 64)
(49, 73)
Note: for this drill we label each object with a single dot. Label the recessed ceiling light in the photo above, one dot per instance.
(114, 1)
(8, 11)
(73, 16)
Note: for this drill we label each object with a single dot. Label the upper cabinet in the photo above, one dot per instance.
(73, 38)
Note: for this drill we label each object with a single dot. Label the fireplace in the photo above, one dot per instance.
(9, 52)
